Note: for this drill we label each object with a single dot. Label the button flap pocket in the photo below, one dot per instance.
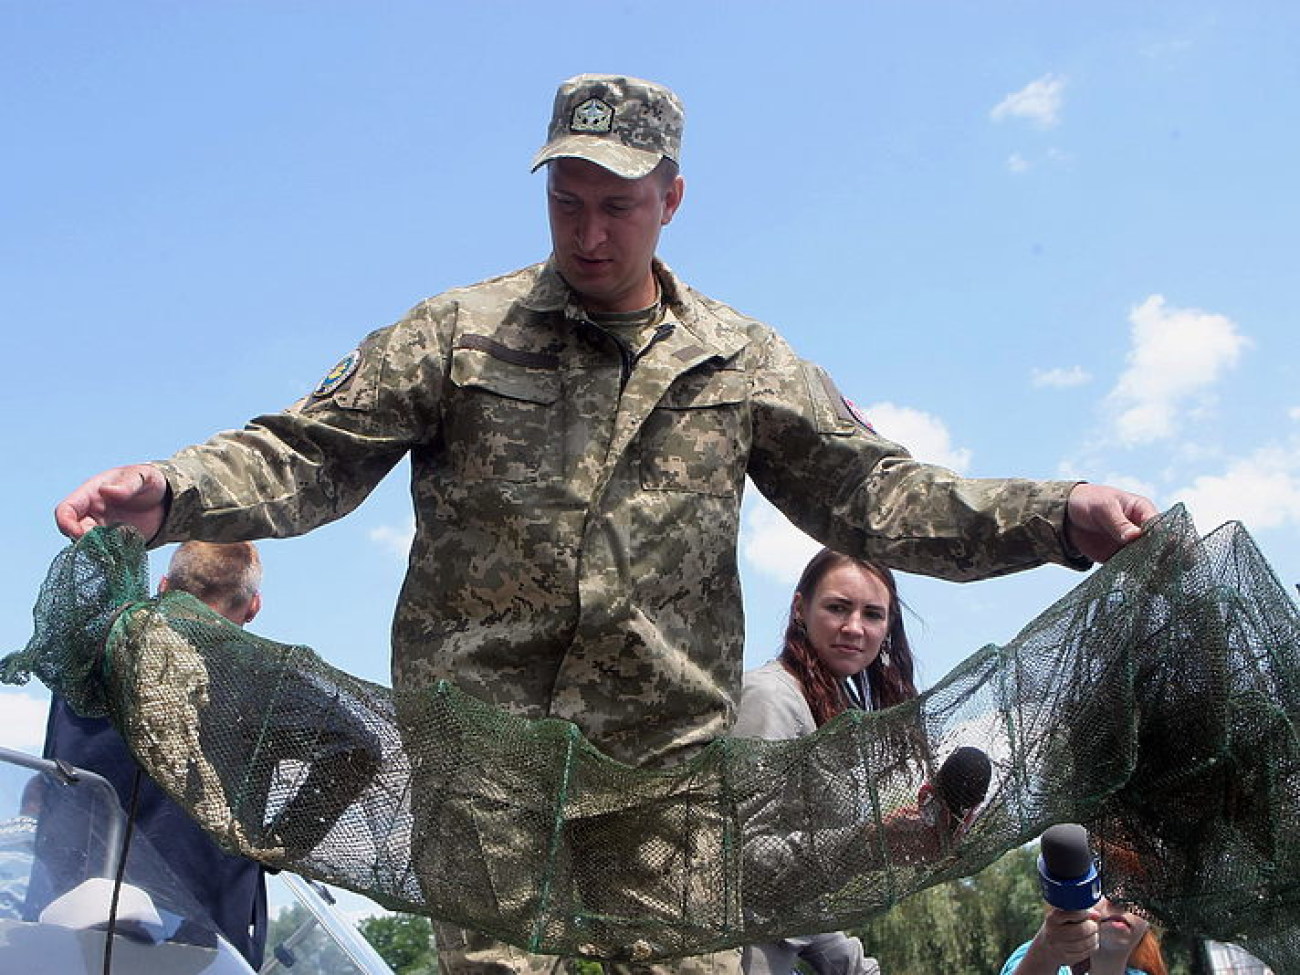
(697, 390)
(483, 363)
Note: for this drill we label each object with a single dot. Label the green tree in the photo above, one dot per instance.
(1003, 907)
(402, 940)
(969, 925)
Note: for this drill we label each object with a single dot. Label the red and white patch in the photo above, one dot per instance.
(857, 414)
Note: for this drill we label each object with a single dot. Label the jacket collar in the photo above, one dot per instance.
(719, 329)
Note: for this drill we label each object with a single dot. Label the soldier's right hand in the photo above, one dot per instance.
(135, 495)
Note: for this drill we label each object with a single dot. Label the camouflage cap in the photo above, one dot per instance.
(624, 124)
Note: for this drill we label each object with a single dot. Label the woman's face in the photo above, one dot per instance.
(1118, 931)
(847, 618)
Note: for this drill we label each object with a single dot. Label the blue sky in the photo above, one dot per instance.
(1047, 240)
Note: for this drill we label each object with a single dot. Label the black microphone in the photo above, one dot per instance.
(1067, 873)
(962, 781)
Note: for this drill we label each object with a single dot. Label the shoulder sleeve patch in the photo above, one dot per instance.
(856, 412)
(834, 413)
(337, 376)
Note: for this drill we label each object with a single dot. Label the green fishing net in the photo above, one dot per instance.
(1155, 704)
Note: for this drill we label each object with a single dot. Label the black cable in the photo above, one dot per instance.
(121, 871)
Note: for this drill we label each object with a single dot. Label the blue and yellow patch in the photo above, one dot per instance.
(337, 376)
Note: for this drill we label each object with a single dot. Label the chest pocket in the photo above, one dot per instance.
(502, 422)
(697, 438)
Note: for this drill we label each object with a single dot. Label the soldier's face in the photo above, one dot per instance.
(847, 618)
(604, 230)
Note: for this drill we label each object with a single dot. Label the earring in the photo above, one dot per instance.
(884, 652)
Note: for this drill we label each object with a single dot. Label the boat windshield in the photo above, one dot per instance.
(71, 869)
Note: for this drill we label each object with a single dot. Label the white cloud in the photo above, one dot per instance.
(1039, 102)
(772, 545)
(1261, 491)
(1129, 482)
(925, 436)
(1059, 378)
(396, 539)
(1176, 354)
(1018, 163)
(22, 720)
(1294, 413)
(1090, 468)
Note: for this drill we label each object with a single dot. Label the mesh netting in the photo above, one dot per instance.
(1154, 704)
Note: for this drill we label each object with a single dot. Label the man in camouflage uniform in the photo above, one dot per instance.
(580, 432)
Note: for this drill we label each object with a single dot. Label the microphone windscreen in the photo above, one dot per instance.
(963, 779)
(1065, 851)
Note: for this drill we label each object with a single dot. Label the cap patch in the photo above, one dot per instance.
(335, 378)
(593, 115)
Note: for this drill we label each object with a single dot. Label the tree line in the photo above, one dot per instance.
(966, 926)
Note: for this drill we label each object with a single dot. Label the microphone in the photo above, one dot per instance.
(960, 784)
(1067, 873)
(962, 781)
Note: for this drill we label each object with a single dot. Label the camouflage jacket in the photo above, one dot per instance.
(576, 520)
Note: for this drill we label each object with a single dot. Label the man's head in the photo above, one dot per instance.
(612, 185)
(228, 578)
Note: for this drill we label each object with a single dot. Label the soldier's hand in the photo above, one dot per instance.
(1100, 520)
(135, 495)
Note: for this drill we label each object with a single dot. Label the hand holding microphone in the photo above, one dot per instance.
(1069, 880)
(1085, 930)
(945, 808)
(959, 787)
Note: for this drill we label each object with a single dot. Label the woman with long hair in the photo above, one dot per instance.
(845, 647)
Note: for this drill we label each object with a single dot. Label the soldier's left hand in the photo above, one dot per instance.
(1100, 520)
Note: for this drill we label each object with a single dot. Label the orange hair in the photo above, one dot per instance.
(1146, 955)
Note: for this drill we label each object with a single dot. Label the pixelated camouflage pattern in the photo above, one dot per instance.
(464, 952)
(645, 127)
(164, 729)
(575, 542)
